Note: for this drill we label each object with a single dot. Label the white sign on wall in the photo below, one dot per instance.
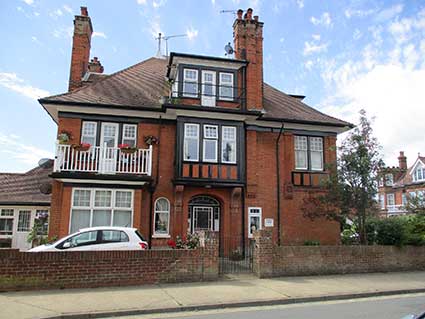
(268, 222)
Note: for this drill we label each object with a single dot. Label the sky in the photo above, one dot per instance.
(344, 55)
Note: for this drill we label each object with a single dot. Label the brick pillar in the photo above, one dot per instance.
(180, 216)
(263, 253)
(55, 209)
(210, 255)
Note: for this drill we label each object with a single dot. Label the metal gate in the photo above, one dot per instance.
(236, 255)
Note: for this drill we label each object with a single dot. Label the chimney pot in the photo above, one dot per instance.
(256, 18)
(402, 161)
(84, 11)
(239, 13)
(249, 14)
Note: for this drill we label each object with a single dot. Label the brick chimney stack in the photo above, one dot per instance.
(81, 41)
(248, 45)
(402, 161)
(95, 65)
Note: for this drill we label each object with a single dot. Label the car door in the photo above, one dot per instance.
(114, 240)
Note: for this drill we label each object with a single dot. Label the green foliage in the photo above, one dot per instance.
(189, 242)
(351, 187)
(415, 205)
(349, 236)
(415, 230)
(391, 231)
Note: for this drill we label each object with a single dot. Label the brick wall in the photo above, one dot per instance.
(271, 260)
(24, 270)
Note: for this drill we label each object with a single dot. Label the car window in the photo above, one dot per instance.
(83, 239)
(114, 236)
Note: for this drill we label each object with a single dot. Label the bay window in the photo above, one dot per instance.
(190, 83)
(191, 142)
(210, 143)
(226, 86)
(309, 153)
(162, 217)
(228, 144)
(101, 207)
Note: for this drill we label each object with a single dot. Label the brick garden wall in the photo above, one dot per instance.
(24, 270)
(272, 261)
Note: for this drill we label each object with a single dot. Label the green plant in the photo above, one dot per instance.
(388, 231)
(189, 242)
(38, 234)
(415, 230)
(311, 243)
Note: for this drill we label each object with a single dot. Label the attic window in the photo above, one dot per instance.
(190, 83)
(419, 174)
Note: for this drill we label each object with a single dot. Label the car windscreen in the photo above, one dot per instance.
(140, 235)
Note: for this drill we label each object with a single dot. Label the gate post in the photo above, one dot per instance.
(263, 253)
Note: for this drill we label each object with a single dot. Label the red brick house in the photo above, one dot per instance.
(208, 145)
(397, 184)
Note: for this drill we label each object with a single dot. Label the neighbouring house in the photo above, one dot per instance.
(23, 198)
(188, 142)
(397, 184)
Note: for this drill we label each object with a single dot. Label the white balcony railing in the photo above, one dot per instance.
(396, 209)
(103, 160)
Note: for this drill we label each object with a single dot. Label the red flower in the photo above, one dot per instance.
(171, 243)
(85, 145)
(125, 145)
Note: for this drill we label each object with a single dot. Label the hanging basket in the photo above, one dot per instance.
(128, 150)
(81, 147)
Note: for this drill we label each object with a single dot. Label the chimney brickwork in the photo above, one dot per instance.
(95, 65)
(248, 44)
(402, 161)
(81, 43)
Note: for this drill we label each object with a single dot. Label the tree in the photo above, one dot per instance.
(352, 186)
(415, 205)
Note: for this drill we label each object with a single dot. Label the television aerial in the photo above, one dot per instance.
(228, 49)
(166, 38)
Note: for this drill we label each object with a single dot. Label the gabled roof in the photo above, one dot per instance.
(142, 86)
(407, 177)
(24, 189)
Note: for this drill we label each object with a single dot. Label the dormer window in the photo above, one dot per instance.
(419, 174)
(190, 83)
(389, 181)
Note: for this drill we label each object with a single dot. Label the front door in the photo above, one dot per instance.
(109, 150)
(208, 88)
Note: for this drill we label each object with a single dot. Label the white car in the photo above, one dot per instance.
(98, 238)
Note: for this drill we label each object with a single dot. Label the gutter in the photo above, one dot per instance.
(279, 230)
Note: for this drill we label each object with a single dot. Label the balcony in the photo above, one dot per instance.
(103, 160)
(396, 210)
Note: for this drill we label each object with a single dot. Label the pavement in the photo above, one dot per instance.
(231, 291)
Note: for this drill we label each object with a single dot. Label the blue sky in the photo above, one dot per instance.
(343, 55)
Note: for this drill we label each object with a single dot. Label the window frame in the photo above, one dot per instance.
(185, 80)
(8, 217)
(161, 235)
(192, 138)
(382, 201)
(84, 135)
(251, 214)
(19, 227)
(393, 199)
(232, 85)
(389, 181)
(223, 127)
(92, 208)
(123, 132)
(214, 139)
(309, 152)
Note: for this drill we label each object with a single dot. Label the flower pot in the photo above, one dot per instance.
(128, 150)
(81, 148)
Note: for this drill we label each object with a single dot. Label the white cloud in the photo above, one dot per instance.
(56, 13)
(313, 47)
(191, 33)
(389, 13)
(155, 26)
(14, 83)
(143, 2)
(357, 34)
(99, 34)
(358, 13)
(325, 20)
(316, 37)
(309, 64)
(29, 2)
(300, 3)
(68, 9)
(62, 33)
(158, 3)
(24, 153)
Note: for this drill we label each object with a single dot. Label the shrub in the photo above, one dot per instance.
(391, 231)
(349, 236)
(415, 230)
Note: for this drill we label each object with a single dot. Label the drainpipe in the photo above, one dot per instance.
(155, 184)
(278, 184)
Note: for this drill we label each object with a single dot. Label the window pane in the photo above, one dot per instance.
(89, 129)
(101, 217)
(6, 226)
(191, 149)
(190, 74)
(83, 239)
(129, 134)
(81, 198)
(114, 236)
(316, 160)
(161, 205)
(210, 150)
(301, 159)
(123, 199)
(131, 143)
(88, 140)
(122, 218)
(301, 143)
(80, 219)
(102, 199)
(316, 144)
(229, 152)
(191, 130)
(161, 223)
(254, 223)
(7, 212)
(226, 86)
(210, 131)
